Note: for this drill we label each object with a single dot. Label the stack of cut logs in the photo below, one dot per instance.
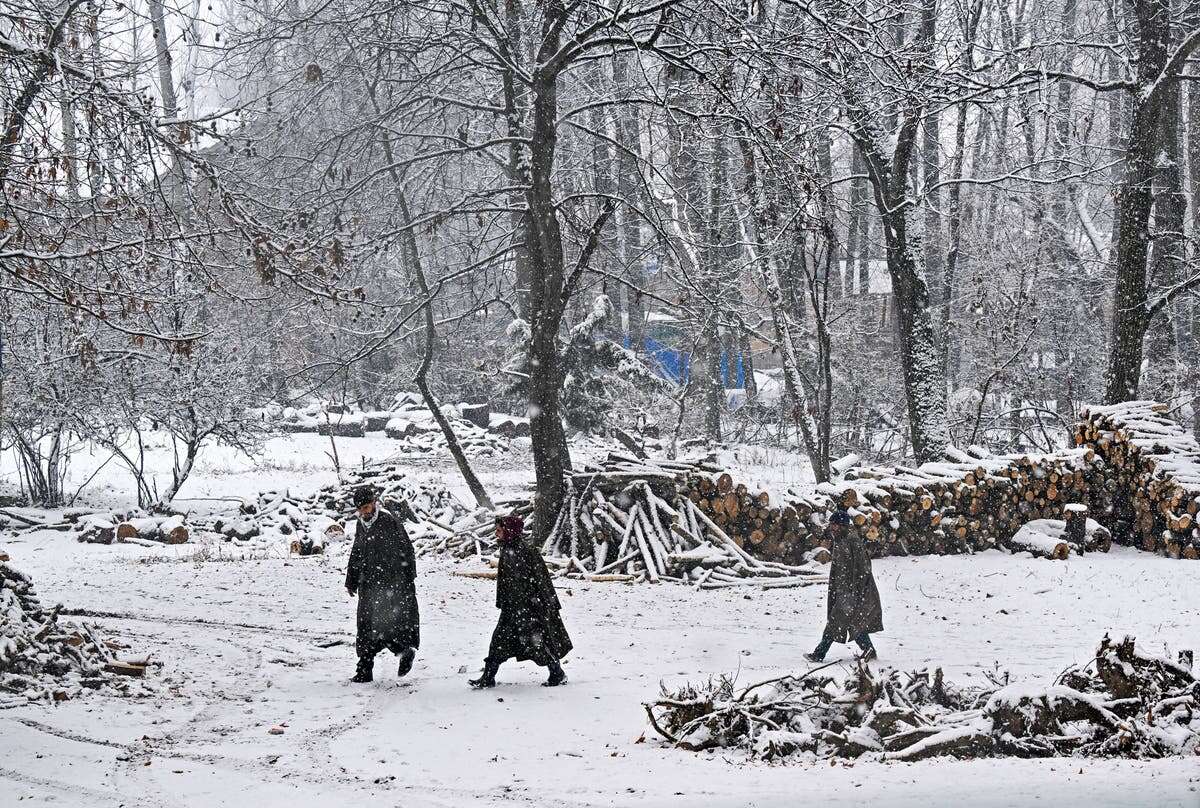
(972, 501)
(131, 527)
(306, 524)
(630, 519)
(1155, 467)
(648, 518)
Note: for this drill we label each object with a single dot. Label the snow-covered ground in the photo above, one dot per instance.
(244, 640)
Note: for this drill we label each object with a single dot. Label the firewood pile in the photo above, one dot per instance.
(1134, 477)
(1123, 703)
(129, 527)
(304, 525)
(971, 501)
(43, 659)
(631, 519)
(1059, 538)
(413, 438)
(308, 524)
(638, 517)
(1156, 466)
(1134, 472)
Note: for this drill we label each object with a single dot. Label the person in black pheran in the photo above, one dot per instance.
(383, 573)
(853, 611)
(530, 627)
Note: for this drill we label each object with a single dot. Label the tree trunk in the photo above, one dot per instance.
(825, 169)
(1134, 197)
(920, 359)
(696, 211)
(950, 273)
(707, 367)
(934, 245)
(166, 71)
(799, 393)
(629, 222)
(421, 378)
(182, 467)
(1168, 332)
(605, 185)
(856, 230)
(747, 354)
(17, 116)
(70, 142)
(1065, 292)
(516, 103)
(1192, 308)
(548, 292)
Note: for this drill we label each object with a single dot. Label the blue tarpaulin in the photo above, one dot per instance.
(674, 364)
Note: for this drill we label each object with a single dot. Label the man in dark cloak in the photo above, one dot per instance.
(853, 611)
(382, 572)
(530, 627)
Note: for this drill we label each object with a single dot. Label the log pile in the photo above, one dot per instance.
(678, 520)
(43, 659)
(969, 502)
(416, 438)
(131, 527)
(972, 501)
(1134, 475)
(1059, 538)
(1122, 704)
(1134, 471)
(308, 524)
(303, 525)
(784, 533)
(631, 519)
(1156, 466)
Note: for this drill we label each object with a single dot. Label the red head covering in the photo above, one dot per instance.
(512, 527)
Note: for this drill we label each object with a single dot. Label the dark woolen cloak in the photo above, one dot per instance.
(854, 605)
(530, 626)
(383, 572)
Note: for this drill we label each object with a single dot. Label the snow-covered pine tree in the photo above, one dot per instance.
(605, 385)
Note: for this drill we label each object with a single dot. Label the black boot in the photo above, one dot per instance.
(365, 670)
(406, 661)
(557, 675)
(488, 679)
(864, 643)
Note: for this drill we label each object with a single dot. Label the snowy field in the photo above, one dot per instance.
(241, 645)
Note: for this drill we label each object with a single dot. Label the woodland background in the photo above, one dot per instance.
(868, 227)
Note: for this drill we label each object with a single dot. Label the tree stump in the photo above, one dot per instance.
(1076, 517)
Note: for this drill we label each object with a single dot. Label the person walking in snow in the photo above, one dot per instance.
(853, 611)
(530, 627)
(382, 572)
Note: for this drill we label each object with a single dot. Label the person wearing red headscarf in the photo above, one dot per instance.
(530, 626)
